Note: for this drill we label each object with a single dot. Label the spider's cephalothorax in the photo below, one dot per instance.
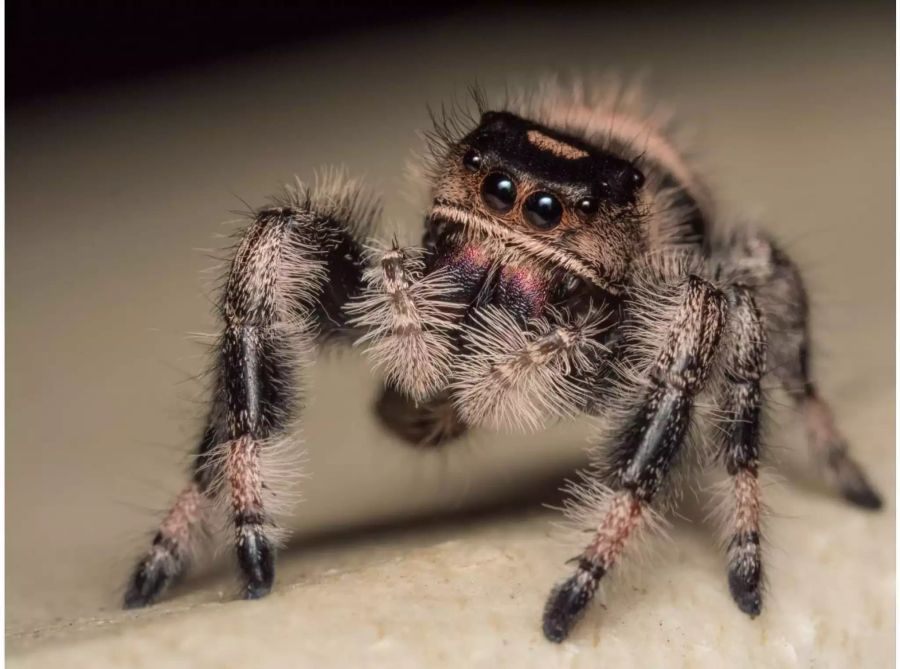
(569, 265)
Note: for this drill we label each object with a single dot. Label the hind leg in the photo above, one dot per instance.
(295, 267)
(781, 295)
(832, 453)
(425, 424)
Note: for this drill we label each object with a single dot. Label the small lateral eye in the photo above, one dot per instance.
(472, 160)
(499, 191)
(637, 178)
(588, 205)
(543, 210)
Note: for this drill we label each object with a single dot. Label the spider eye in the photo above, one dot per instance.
(637, 178)
(499, 191)
(543, 210)
(472, 160)
(588, 205)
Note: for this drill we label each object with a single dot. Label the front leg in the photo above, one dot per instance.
(294, 268)
(411, 309)
(646, 446)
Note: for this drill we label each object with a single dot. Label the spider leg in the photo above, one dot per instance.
(740, 401)
(424, 424)
(181, 532)
(832, 452)
(646, 445)
(409, 318)
(411, 311)
(294, 268)
(781, 296)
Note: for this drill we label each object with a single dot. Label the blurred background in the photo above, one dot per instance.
(135, 130)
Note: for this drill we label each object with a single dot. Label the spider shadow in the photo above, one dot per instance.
(306, 555)
(303, 551)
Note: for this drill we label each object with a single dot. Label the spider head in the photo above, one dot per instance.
(534, 197)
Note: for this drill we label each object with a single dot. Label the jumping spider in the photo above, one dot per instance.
(569, 266)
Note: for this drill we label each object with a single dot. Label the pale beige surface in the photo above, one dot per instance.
(108, 194)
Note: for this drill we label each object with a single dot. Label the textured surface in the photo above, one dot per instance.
(108, 193)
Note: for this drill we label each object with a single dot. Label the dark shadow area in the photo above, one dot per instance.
(414, 530)
(690, 513)
(54, 46)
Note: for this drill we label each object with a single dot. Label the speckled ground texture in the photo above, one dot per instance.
(402, 558)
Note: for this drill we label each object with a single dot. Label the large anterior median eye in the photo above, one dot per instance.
(543, 210)
(499, 191)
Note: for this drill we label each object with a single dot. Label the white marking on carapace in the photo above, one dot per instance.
(554, 146)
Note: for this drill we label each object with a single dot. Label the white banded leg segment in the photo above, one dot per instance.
(744, 551)
(254, 548)
(172, 549)
(295, 266)
(569, 599)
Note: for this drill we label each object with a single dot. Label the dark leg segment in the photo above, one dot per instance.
(782, 298)
(646, 448)
(293, 269)
(424, 424)
(740, 402)
(832, 453)
(569, 599)
(171, 549)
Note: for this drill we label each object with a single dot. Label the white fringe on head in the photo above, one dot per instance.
(410, 322)
(520, 377)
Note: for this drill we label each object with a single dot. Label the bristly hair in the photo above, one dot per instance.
(335, 194)
(333, 201)
(449, 124)
(278, 270)
(522, 376)
(409, 322)
(282, 463)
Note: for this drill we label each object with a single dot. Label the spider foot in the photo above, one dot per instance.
(153, 574)
(745, 573)
(568, 601)
(257, 562)
(853, 484)
(746, 593)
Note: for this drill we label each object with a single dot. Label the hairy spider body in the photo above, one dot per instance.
(569, 266)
